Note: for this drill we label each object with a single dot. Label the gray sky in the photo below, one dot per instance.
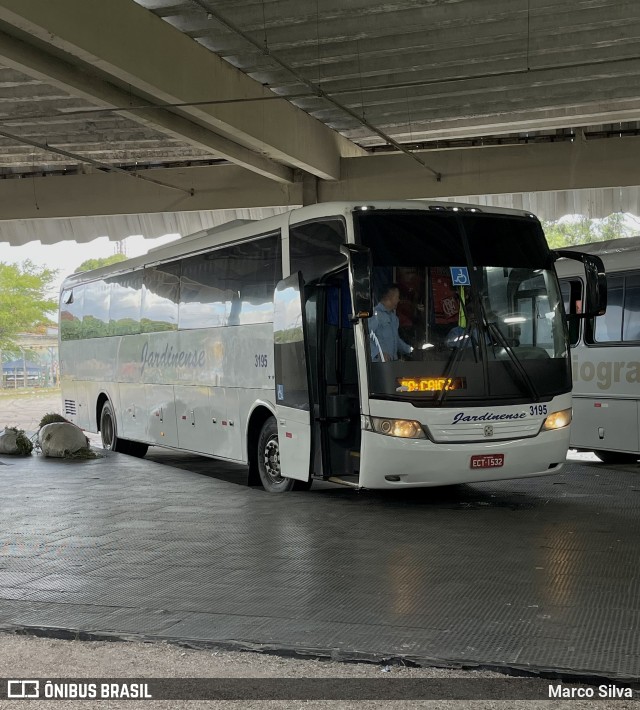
(67, 256)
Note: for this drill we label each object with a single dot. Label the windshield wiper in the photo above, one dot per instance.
(456, 355)
(515, 360)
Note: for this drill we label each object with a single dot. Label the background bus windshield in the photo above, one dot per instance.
(477, 302)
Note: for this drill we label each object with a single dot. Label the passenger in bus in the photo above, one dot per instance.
(463, 336)
(386, 343)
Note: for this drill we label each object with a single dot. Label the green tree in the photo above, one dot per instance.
(91, 264)
(615, 227)
(23, 300)
(566, 233)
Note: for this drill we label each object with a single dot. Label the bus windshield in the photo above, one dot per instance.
(468, 307)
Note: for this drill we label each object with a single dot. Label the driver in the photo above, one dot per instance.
(386, 343)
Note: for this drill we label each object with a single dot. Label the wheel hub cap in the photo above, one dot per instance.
(272, 460)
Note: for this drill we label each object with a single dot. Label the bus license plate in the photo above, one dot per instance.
(487, 461)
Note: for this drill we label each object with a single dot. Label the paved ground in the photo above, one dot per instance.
(29, 657)
(535, 575)
(24, 409)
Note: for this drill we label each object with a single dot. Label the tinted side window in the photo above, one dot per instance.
(608, 328)
(253, 269)
(314, 247)
(631, 328)
(71, 313)
(161, 296)
(126, 298)
(95, 309)
(231, 286)
(203, 300)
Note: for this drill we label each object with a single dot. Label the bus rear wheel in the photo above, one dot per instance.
(110, 438)
(268, 457)
(613, 457)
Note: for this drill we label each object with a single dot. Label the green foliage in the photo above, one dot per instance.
(82, 454)
(24, 444)
(14, 351)
(91, 264)
(566, 233)
(51, 418)
(23, 300)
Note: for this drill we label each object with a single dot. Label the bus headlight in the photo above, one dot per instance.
(403, 428)
(557, 420)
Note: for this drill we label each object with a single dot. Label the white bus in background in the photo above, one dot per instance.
(606, 354)
(189, 347)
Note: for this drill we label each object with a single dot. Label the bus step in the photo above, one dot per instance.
(342, 482)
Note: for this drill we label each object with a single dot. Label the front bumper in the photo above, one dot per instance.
(421, 463)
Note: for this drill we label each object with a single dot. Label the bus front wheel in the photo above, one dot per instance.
(613, 457)
(269, 462)
(110, 438)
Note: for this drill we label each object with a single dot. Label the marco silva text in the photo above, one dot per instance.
(558, 690)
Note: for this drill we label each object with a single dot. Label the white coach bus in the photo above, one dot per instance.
(606, 354)
(203, 346)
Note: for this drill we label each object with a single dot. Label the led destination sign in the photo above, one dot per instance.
(431, 384)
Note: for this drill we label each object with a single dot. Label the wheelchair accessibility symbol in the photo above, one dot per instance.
(460, 276)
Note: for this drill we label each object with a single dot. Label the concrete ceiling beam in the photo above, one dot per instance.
(582, 164)
(98, 193)
(495, 170)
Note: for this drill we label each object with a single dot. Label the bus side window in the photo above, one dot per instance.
(95, 309)
(71, 313)
(126, 297)
(253, 270)
(314, 247)
(608, 328)
(204, 302)
(571, 290)
(631, 328)
(160, 298)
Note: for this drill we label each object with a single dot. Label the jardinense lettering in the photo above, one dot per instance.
(171, 358)
(486, 417)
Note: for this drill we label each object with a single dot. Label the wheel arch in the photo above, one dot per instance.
(260, 413)
(100, 402)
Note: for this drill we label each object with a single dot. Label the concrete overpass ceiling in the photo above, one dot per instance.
(426, 70)
(240, 104)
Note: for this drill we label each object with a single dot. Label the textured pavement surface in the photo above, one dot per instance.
(539, 574)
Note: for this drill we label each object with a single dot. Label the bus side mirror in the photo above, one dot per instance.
(359, 260)
(595, 295)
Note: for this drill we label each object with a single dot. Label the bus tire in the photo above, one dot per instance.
(137, 448)
(612, 457)
(268, 458)
(109, 431)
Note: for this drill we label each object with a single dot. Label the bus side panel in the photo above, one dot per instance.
(68, 393)
(235, 429)
(161, 406)
(194, 421)
(605, 398)
(610, 424)
(133, 419)
(87, 367)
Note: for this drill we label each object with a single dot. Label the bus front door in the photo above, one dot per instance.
(293, 393)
